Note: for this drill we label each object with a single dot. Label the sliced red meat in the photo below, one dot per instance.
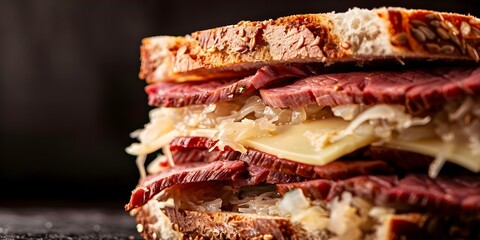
(189, 149)
(401, 160)
(197, 149)
(235, 173)
(444, 194)
(417, 89)
(274, 177)
(339, 169)
(193, 149)
(170, 94)
(188, 173)
(186, 155)
(258, 175)
(313, 189)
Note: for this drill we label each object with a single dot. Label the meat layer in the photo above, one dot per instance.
(418, 192)
(446, 194)
(169, 94)
(196, 149)
(234, 173)
(419, 90)
(187, 173)
(416, 89)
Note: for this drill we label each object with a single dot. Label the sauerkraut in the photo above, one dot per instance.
(231, 123)
(227, 122)
(345, 217)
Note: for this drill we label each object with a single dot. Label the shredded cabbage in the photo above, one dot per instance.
(231, 133)
(460, 122)
(227, 122)
(260, 200)
(263, 204)
(141, 165)
(348, 112)
(344, 221)
(386, 119)
(346, 217)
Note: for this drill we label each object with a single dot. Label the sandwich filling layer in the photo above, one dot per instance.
(382, 149)
(412, 110)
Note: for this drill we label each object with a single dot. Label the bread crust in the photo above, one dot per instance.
(194, 225)
(219, 225)
(356, 35)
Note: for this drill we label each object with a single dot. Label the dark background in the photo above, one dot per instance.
(70, 95)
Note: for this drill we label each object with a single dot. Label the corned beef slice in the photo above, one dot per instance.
(417, 89)
(187, 173)
(193, 93)
(444, 194)
(189, 149)
(258, 175)
(313, 189)
(235, 173)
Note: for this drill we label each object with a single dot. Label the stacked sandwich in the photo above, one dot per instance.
(363, 124)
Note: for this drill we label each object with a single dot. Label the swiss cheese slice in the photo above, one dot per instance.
(460, 155)
(292, 142)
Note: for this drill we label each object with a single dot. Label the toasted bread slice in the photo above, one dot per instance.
(171, 223)
(358, 35)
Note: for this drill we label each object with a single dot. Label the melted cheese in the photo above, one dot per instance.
(316, 142)
(292, 143)
(460, 155)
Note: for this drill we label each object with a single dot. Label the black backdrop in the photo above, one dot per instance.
(69, 91)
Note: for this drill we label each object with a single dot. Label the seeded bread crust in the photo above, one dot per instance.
(189, 225)
(357, 35)
(216, 225)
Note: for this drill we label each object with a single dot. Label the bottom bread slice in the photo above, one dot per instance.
(158, 221)
(188, 224)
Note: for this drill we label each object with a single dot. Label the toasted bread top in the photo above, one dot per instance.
(358, 35)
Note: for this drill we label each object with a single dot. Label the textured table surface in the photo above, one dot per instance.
(66, 223)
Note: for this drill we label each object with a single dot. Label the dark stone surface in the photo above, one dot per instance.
(66, 223)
